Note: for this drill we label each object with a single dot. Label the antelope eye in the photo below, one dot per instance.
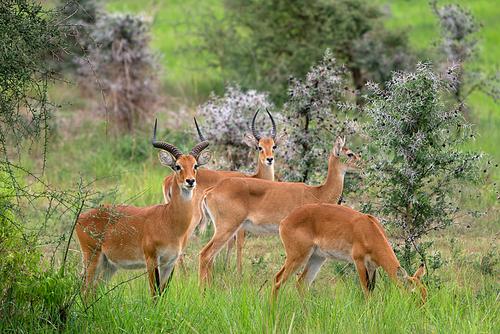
(260, 148)
(350, 154)
(274, 147)
(178, 167)
(195, 167)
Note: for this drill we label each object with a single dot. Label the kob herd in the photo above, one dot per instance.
(311, 225)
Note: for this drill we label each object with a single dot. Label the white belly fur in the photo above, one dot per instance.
(248, 225)
(334, 255)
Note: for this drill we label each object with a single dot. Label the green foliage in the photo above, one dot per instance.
(29, 285)
(261, 43)
(489, 262)
(28, 33)
(19, 252)
(418, 164)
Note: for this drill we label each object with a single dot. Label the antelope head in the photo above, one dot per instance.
(184, 166)
(350, 162)
(413, 284)
(265, 146)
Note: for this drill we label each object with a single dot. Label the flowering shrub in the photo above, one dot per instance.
(418, 165)
(226, 120)
(312, 121)
(122, 66)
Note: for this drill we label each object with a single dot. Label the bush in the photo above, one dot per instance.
(417, 162)
(29, 284)
(312, 121)
(123, 67)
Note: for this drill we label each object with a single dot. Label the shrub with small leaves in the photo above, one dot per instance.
(418, 166)
(80, 16)
(28, 33)
(312, 121)
(226, 119)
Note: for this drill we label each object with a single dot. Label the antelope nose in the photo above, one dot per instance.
(269, 160)
(190, 182)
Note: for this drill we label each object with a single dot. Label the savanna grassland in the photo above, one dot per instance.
(85, 156)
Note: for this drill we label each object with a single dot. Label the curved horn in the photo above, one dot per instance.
(166, 146)
(254, 133)
(200, 146)
(273, 133)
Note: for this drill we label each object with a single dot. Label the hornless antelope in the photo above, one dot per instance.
(208, 178)
(259, 206)
(119, 236)
(314, 232)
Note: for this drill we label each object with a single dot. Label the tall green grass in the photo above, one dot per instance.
(463, 302)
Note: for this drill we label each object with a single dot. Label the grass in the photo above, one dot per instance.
(463, 300)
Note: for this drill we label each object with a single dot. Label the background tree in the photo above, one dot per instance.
(460, 42)
(80, 16)
(260, 44)
(418, 164)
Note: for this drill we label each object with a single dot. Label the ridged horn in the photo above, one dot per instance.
(200, 146)
(254, 133)
(273, 133)
(166, 146)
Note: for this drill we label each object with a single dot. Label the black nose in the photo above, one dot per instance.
(270, 160)
(190, 181)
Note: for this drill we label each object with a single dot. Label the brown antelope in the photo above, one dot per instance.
(208, 178)
(116, 237)
(259, 206)
(315, 232)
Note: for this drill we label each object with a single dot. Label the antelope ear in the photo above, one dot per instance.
(251, 141)
(281, 139)
(420, 272)
(166, 159)
(338, 145)
(204, 157)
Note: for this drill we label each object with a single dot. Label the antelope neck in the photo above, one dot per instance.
(331, 190)
(265, 172)
(180, 208)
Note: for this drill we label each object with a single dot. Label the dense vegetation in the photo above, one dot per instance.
(86, 165)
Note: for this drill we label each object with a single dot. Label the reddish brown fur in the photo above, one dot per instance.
(312, 231)
(208, 178)
(233, 201)
(113, 237)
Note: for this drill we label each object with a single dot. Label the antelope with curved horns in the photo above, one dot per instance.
(208, 178)
(259, 206)
(116, 237)
(315, 232)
